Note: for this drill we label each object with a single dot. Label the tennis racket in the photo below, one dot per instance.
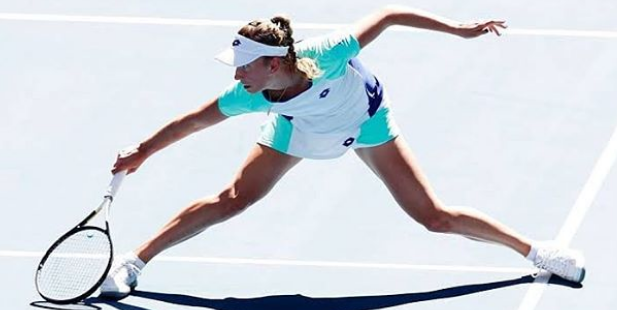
(77, 263)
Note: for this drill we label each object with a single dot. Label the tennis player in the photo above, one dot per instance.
(321, 102)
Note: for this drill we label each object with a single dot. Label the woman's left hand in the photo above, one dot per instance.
(473, 30)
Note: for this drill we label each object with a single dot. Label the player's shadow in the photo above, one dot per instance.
(299, 302)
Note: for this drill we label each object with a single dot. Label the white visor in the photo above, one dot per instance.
(244, 50)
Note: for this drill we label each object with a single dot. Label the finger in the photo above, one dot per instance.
(500, 24)
(119, 165)
(492, 23)
(495, 30)
(496, 22)
(115, 169)
(128, 151)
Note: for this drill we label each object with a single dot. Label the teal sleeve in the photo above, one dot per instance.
(331, 52)
(235, 100)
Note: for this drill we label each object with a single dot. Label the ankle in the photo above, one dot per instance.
(533, 252)
(136, 260)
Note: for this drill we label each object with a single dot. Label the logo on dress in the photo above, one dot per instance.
(371, 93)
(235, 43)
(349, 141)
(324, 93)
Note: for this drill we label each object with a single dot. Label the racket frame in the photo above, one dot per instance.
(107, 200)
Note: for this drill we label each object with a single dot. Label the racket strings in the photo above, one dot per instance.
(75, 265)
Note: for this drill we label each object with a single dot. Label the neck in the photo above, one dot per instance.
(290, 85)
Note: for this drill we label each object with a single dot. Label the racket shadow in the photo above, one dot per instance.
(300, 302)
(86, 305)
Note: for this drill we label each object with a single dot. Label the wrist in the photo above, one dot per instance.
(456, 29)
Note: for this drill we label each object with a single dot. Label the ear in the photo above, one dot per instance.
(275, 64)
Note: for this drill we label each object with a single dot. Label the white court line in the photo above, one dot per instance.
(237, 23)
(577, 214)
(304, 263)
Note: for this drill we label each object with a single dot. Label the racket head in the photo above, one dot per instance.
(75, 265)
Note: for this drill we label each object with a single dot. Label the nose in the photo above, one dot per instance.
(239, 74)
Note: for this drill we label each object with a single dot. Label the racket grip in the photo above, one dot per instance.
(112, 189)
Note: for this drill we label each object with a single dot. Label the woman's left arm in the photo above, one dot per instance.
(370, 27)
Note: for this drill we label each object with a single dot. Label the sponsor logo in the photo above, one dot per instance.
(371, 93)
(349, 141)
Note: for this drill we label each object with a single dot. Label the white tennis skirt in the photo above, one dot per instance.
(278, 132)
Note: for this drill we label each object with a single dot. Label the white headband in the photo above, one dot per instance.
(244, 50)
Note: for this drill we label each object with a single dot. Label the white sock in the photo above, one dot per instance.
(532, 253)
(136, 260)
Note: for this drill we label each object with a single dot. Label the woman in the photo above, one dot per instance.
(321, 102)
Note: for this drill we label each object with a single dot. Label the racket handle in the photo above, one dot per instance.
(112, 189)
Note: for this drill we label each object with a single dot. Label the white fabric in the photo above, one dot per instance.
(244, 50)
(329, 107)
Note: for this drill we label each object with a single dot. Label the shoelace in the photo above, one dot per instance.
(132, 269)
(553, 262)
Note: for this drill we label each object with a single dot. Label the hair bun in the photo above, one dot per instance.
(282, 22)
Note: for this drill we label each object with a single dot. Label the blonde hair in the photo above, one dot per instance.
(277, 32)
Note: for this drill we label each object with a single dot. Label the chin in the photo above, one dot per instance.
(250, 89)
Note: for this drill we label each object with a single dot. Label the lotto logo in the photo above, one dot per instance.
(236, 43)
(349, 141)
(324, 93)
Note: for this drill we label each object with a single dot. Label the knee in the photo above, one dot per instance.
(236, 200)
(438, 220)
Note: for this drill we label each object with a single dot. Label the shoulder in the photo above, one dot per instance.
(235, 100)
(331, 52)
(339, 41)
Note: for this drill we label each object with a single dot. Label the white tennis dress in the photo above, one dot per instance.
(344, 107)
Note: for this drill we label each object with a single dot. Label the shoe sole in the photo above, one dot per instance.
(118, 296)
(583, 272)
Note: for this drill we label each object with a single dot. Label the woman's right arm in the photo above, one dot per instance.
(371, 26)
(205, 116)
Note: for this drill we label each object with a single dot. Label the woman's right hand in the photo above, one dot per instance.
(129, 159)
(473, 30)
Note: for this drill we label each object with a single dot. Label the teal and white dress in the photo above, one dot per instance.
(344, 107)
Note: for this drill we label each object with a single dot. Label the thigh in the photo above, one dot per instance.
(394, 163)
(260, 171)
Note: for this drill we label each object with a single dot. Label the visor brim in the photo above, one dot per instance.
(235, 58)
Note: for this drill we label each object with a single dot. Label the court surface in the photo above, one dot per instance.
(522, 127)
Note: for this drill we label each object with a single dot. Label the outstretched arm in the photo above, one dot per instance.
(205, 116)
(370, 27)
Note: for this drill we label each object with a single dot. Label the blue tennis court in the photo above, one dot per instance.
(522, 127)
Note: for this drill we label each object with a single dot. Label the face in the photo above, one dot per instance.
(255, 76)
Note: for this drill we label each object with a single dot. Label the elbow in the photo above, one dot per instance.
(394, 14)
(388, 13)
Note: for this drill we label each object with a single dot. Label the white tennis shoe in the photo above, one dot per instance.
(121, 280)
(567, 264)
